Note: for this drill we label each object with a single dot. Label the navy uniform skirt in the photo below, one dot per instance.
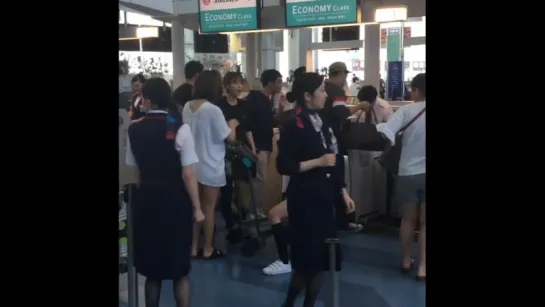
(163, 226)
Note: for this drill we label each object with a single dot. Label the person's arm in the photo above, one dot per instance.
(288, 146)
(387, 112)
(251, 142)
(232, 137)
(393, 125)
(135, 104)
(386, 109)
(188, 157)
(247, 126)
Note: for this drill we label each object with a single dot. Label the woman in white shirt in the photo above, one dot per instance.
(210, 131)
(411, 180)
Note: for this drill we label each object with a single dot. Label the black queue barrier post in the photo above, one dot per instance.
(334, 295)
(128, 177)
(132, 274)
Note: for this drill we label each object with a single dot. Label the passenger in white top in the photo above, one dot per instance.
(210, 131)
(413, 155)
(411, 182)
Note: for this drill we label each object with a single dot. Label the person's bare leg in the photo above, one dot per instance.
(281, 239)
(406, 232)
(278, 213)
(181, 292)
(197, 229)
(152, 292)
(422, 241)
(208, 202)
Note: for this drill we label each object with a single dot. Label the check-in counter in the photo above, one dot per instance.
(394, 104)
(368, 178)
(367, 182)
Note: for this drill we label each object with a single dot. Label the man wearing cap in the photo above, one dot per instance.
(336, 112)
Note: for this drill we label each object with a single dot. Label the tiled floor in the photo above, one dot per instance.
(370, 278)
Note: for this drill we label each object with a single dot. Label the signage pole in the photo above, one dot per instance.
(394, 52)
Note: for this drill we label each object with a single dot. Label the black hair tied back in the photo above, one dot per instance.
(290, 97)
(307, 82)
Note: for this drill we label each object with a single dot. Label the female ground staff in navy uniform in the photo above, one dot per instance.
(308, 153)
(166, 201)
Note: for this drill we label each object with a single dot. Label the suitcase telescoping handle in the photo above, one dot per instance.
(334, 291)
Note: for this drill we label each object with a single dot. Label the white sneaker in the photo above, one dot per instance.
(276, 268)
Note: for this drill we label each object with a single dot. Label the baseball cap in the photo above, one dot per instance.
(338, 67)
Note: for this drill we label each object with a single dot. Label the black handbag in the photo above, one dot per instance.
(389, 159)
(362, 136)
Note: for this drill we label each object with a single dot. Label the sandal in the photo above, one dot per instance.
(216, 254)
(420, 277)
(198, 255)
(407, 270)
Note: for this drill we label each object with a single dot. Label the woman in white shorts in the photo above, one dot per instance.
(210, 131)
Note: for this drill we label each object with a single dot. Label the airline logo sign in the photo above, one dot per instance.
(305, 13)
(227, 15)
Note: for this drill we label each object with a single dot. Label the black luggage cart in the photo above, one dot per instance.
(252, 229)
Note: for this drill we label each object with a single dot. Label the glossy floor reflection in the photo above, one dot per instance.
(370, 278)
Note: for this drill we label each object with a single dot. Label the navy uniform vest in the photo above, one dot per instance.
(152, 143)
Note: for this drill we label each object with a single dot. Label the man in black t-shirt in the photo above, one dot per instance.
(234, 108)
(262, 122)
(184, 92)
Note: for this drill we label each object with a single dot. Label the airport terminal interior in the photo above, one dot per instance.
(379, 44)
(370, 277)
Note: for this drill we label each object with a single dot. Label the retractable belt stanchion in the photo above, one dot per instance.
(132, 275)
(127, 176)
(334, 291)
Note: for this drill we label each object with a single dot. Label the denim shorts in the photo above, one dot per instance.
(411, 189)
